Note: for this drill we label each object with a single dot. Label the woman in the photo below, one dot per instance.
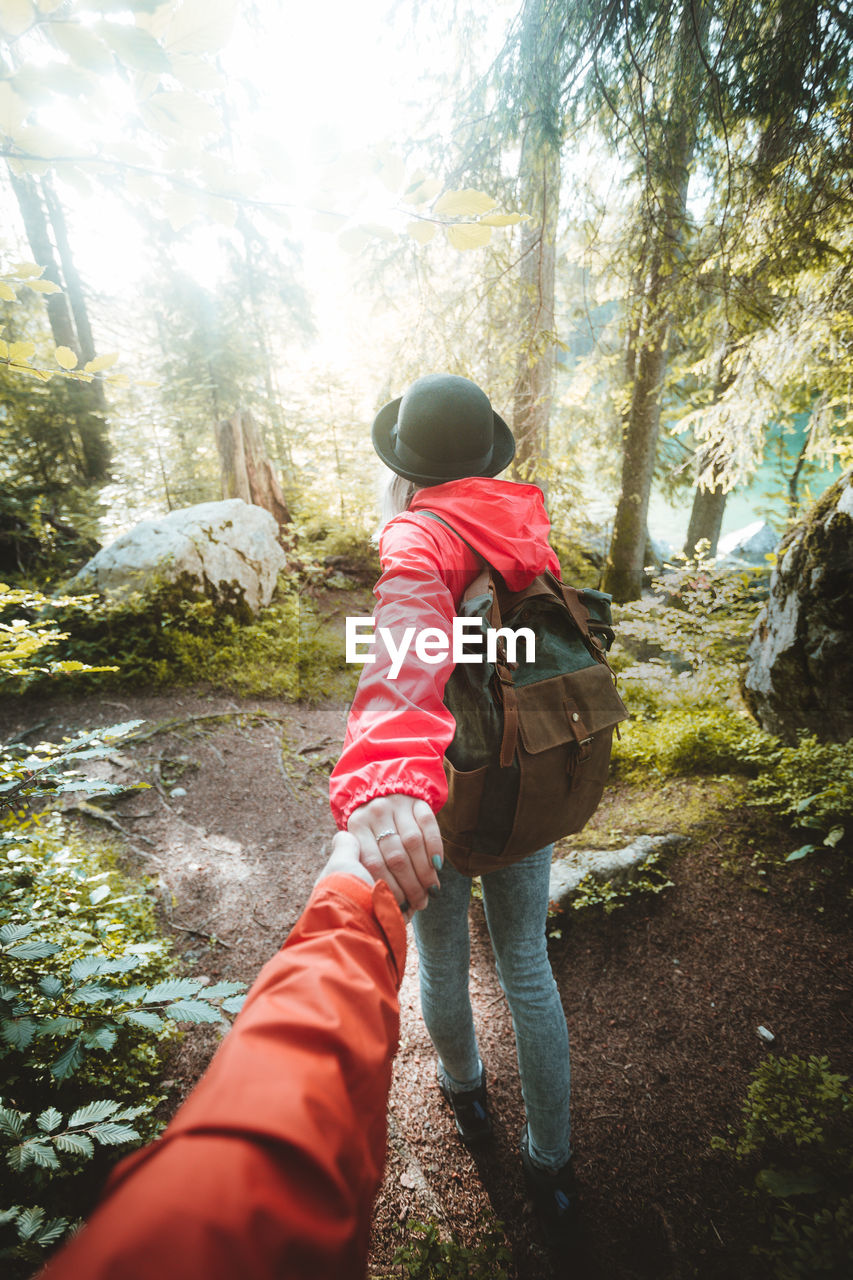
(446, 446)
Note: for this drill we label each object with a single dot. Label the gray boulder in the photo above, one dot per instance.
(227, 550)
(800, 658)
(749, 545)
(617, 866)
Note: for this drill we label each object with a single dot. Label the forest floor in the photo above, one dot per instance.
(663, 997)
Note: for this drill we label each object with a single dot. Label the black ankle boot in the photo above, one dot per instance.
(555, 1198)
(469, 1110)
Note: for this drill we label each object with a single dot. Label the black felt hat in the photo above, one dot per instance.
(443, 428)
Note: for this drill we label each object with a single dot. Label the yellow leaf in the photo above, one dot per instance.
(379, 232)
(464, 204)
(65, 358)
(82, 47)
(323, 220)
(4, 350)
(12, 110)
(25, 270)
(101, 362)
(200, 26)
(468, 235)
(392, 171)
(422, 190)
(43, 286)
(504, 219)
(16, 16)
(174, 112)
(423, 232)
(7, 293)
(20, 352)
(354, 239)
(181, 208)
(196, 74)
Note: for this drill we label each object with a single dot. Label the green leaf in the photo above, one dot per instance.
(57, 1026)
(835, 835)
(34, 950)
(49, 1120)
(172, 989)
(98, 895)
(193, 1011)
(142, 1018)
(68, 1062)
(74, 1144)
(234, 1004)
(784, 1183)
(100, 1038)
(220, 989)
(93, 1113)
(40, 1153)
(13, 932)
(51, 987)
(29, 1222)
(12, 1122)
(112, 1135)
(801, 852)
(18, 1032)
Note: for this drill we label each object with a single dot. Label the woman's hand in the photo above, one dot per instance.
(400, 843)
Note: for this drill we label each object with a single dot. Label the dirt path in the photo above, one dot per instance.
(663, 998)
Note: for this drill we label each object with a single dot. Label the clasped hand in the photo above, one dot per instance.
(399, 842)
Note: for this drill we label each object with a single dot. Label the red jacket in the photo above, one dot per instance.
(270, 1168)
(398, 730)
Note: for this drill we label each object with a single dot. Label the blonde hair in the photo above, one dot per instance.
(396, 496)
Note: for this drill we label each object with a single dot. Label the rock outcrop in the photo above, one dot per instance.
(227, 550)
(800, 658)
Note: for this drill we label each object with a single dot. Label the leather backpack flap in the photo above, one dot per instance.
(565, 735)
(568, 709)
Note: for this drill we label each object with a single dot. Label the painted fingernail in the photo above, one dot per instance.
(434, 890)
(437, 861)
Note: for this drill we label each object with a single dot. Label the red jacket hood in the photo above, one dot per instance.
(504, 521)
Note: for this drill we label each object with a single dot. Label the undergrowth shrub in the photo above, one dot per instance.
(425, 1256)
(680, 681)
(794, 1143)
(166, 638)
(88, 998)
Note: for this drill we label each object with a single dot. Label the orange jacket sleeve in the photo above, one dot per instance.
(270, 1168)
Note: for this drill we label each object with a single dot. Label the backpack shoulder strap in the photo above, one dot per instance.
(421, 512)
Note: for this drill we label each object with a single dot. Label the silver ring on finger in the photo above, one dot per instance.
(383, 834)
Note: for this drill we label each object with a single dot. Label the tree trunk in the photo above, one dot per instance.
(706, 519)
(664, 212)
(539, 196)
(246, 470)
(87, 397)
(534, 381)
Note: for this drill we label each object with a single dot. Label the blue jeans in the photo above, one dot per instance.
(516, 906)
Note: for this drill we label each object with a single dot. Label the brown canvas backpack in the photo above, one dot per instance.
(530, 755)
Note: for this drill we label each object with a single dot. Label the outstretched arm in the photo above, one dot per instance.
(269, 1169)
